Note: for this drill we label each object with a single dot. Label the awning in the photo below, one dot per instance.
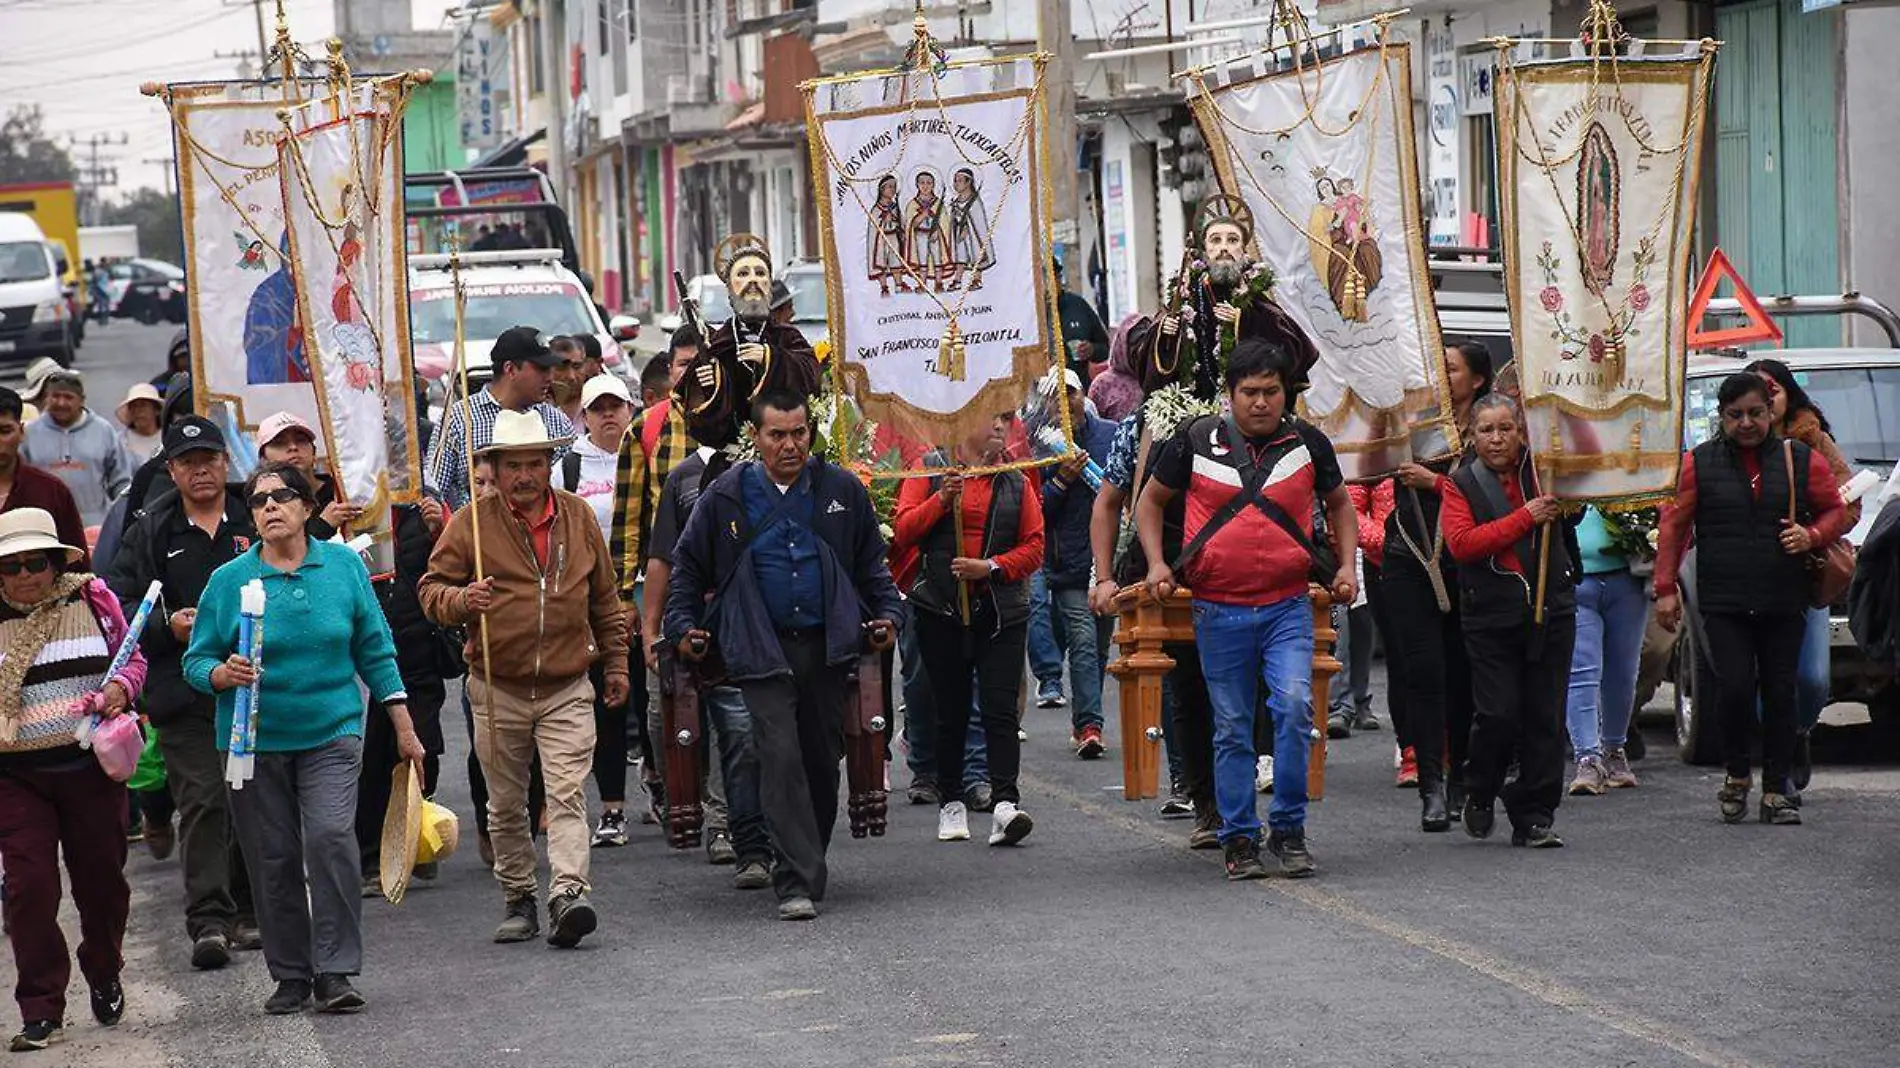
(751, 116)
(512, 154)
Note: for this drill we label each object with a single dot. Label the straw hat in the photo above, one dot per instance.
(143, 391)
(37, 373)
(521, 430)
(26, 530)
(402, 829)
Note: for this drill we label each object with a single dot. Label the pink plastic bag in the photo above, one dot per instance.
(117, 743)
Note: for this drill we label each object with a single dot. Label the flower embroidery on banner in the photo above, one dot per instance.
(1552, 298)
(360, 376)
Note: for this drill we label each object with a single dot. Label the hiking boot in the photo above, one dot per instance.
(1616, 769)
(1177, 806)
(924, 792)
(1009, 824)
(979, 797)
(1088, 744)
(245, 937)
(1408, 768)
(1480, 818)
(719, 851)
(1733, 797)
(1049, 695)
(1290, 847)
(612, 830)
(571, 918)
(1263, 774)
(797, 908)
(1536, 836)
(1206, 833)
(1242, 857)
(108, 1003)
(752, 874)
(1433, 817)
(160, 839)
(953, 823)
(1590, 779)
(210, 952)
(36, 1035)
(1776, 809)
(1364, 720)
(1339, 727)
(336, 996)
(292, 996)
(521, 922)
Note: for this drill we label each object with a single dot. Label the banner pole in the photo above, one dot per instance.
(468, 458)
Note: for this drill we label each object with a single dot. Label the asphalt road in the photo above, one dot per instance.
(1658, 937)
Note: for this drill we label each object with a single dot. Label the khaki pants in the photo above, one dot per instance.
(560, 727)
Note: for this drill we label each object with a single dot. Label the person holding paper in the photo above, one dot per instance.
(296, 817)
(59, 629)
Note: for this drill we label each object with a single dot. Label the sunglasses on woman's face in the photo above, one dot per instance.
(282, 495)
(32, 565)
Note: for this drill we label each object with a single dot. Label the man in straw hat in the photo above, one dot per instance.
(747, 356)
(529, 563)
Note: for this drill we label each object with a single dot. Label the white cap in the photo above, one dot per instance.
(1048, 383)
(604, 385)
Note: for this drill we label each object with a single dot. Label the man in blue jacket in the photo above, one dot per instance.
(1067, 502)
(783, 567)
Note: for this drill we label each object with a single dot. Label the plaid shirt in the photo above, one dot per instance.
(638, 481)
(447, 470)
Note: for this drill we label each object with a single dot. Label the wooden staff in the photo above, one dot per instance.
(963, 587)
(1543, 553)
(468, 459)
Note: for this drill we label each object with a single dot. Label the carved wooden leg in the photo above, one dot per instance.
(1325, 666)
(864, 719)
(682, 728)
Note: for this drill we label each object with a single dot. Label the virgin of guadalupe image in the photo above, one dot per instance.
(1344, 249)
(970, 249)
(273, 330)
(1597, 207)
(884, 238)
(353, 336)
(929, 238)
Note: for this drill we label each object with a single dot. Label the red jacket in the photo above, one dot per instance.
(919, 510)
(1677, 526)
(1471, 541)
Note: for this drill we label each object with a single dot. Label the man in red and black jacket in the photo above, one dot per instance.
(1001, 547)
(1251, 481)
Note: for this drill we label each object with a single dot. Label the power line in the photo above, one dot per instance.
(94, 174)
(143, 38)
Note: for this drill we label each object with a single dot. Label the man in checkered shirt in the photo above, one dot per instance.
(523, 380)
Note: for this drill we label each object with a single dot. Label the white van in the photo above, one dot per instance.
(34, 318)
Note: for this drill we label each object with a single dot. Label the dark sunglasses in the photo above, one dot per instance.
(32, 565)
(282, 495)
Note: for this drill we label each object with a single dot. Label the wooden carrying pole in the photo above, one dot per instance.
(468, 457)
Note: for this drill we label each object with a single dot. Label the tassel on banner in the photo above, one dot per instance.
(950, 353)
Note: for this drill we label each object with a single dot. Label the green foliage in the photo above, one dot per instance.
(27, 154)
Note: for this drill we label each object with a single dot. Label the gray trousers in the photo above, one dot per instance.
(297, 822)
(1352, 687)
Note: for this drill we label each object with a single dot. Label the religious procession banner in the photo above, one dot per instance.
(1322, 152)
(1598, 161)
(340, 166)
(937, 262)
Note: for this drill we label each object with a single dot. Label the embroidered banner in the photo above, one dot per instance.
(1323, 153)
(1598, 164)
(341, 174)
(938, 269)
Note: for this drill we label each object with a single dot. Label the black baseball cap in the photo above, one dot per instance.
(192, 434)
(522, 344)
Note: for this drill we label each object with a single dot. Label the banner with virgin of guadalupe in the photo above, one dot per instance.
(937, 265)
(241, 306)
(340, 164)
(1598, 161)
(1322, 152)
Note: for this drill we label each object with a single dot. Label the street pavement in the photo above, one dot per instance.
(1658, 937)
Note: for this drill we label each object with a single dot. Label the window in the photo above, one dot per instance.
(603, 24)
(1862, 404)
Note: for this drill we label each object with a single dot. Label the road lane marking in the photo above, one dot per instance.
(1525, 980)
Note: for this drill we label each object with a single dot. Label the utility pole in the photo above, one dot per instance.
(94, 174)
(1054, 36)
(554, 63)
(170, 163)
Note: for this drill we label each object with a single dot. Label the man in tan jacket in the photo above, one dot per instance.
(550, 601)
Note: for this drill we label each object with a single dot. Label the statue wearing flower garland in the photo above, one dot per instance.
(1222, 295)
(746, 356)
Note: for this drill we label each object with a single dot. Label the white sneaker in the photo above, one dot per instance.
(953, 823)
(1263, 775)
(1011, 824)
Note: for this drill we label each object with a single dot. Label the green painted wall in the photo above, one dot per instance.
(431, 132)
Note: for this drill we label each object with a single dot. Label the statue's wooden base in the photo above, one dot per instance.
(1146, 624)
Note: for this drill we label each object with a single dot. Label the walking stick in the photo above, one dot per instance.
(468, 460)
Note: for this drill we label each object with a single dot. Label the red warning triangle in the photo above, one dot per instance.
(1759, 327)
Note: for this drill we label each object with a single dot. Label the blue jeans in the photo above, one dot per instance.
(1811, 674)
(1085, 636)
(1045, 652)
(1612, 614)
(920, 720)
(1241, 647)
(732, 727)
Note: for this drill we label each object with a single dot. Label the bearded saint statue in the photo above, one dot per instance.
(746, 356)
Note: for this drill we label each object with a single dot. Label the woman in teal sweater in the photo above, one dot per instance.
(323, 629)
(1612, 616)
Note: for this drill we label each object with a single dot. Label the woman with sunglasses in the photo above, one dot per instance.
(1798, 418)
(58, 632)
(323, 629)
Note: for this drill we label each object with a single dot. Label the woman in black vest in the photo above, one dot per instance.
(1736, 491)
(1417, 598)
(1503, 533)
(1001, 535)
